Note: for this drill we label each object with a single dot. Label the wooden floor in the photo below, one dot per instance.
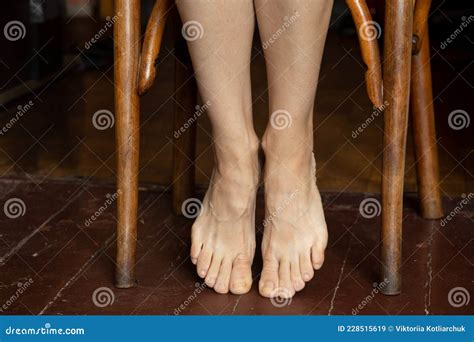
(62, 260)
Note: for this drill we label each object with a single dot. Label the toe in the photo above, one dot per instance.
(213, 270)
(317, 257)
(306, 267)
(204, 261)
(296, 280)
(285, 289)
(269, 278)
(241, 275)
(222, 282)
(195, 251)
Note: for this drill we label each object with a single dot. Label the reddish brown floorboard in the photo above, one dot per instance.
(67, 260)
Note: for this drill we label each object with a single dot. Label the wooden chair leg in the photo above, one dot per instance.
(424, 133)
(185, 123)
(127, 108)
(396, 81)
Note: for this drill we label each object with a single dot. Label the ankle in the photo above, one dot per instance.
(237, 161)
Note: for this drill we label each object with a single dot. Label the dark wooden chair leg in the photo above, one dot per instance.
(396, 81)
(185, 123)
(127, 110)
(424, 133)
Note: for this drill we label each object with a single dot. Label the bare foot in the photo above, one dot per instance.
(223, 236)
(295, 234)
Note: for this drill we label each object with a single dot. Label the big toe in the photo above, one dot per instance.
(269, 279)
(241, 275)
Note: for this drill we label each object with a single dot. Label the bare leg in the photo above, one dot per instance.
(223, 236)
(293, 33)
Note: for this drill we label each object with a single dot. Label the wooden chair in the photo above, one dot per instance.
(406, 62)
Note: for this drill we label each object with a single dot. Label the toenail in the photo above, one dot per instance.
(239, 285)
(194, 260)
(202, 273)
(268, 285)
(306, 276)
(220, 287)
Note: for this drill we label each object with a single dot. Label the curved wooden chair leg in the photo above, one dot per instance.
(127, 109)
(367, 33)
(396, 85)
(420, 20)
(184, 137)
(424, 133)
(152, 44)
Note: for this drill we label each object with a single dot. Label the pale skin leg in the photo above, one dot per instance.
(223, 236)
(295, 235)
